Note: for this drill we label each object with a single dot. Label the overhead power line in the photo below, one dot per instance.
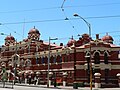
(54, 20)
(29, 10)
(93, 5)
(66, 17)
(39, 9)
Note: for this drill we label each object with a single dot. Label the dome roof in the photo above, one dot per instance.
(9, 37)
(34, 30)
(85, 36)
(71, 41)
(107, 38)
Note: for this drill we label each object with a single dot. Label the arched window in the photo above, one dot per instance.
(22, 63)
(105, 58)
(51, 59)
(28, 62)
(66, 58)
(45, 60)
(42, 60)
(106, 75)
(16, 60)
(54, 61)
(59, 59)
(37, 60)
(97, 58)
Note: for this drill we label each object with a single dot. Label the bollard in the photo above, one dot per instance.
(49, 83)
(97, 80)
(118, 75)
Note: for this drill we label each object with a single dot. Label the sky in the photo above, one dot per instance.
(17, 17)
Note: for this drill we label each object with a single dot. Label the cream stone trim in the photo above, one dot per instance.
(101, 66)
(3, 59)
(67, 69)
(80, 66)
(28, 56)
(96, 48)
(115, 66)
(115, 49)
(96, 51)
(80, 50)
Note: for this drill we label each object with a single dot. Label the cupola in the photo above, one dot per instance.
(9, 40)
(107, 38)
(34, 34)
(71, 42)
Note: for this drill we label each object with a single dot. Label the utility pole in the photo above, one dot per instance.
(49, 60)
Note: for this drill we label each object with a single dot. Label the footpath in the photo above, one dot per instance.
(22, 86)
(65, 88)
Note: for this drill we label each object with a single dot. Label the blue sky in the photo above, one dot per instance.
(19, 16)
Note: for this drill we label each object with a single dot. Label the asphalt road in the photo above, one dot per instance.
(40, 88)
(34, 88)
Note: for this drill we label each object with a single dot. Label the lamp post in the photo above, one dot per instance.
(89, 29)
(49, 60)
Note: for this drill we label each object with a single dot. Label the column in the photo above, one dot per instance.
(97, 80)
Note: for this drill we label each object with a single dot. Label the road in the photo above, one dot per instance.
(34, 88)
(40, 88)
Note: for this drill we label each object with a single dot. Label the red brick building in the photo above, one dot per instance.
(68, 64)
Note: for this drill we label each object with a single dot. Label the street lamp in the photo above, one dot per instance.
(89, 29)
(49, 59)
(88, 24)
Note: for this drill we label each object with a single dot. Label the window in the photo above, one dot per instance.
(66, 58)
(51, 59)
(54, 61)
(16, 60)
(28, 62)
(22, 63)
(42, 60)
(37, 60)
(106, 75)
(105, 58)
(97, 58)
(59, 59)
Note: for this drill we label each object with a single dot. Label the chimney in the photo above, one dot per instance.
(97, 36)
